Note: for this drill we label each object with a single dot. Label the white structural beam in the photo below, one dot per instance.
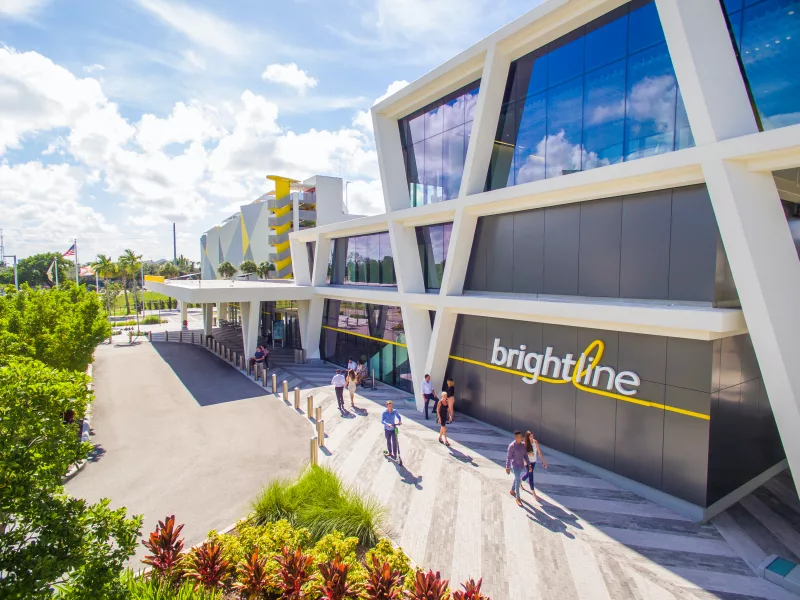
(407, 266)
(438, 354)
(208, 319)
(707, 69)
(310, 315)
(300, 266)
(390, 162)
(250, 320)
(484, 127)
(765, 267)
(417, 327)
(455, 269)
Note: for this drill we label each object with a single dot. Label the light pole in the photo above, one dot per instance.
(16, 279)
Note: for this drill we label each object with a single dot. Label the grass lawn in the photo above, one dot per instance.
(119, 305)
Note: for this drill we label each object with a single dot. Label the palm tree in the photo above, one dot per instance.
(185, 265)
(169, 270)
(248, 266)
(226, 270)
(264, 268)
(129, 265)
(107, 269)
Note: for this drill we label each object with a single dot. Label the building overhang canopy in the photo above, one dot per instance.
(209, 291)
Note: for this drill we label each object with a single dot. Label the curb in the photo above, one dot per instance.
(85, 431)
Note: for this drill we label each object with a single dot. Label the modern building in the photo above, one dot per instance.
(591, 225)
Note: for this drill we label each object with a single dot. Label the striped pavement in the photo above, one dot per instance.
(450, 510)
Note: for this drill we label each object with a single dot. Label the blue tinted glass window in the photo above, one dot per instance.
(564, 121)
(607, 44)
(452, 161)
(770, 54)
(434, 158)
(732, 6)
(529, 154)
(735, 24)
(433, 242)
(615, 100)
(467, 136)
(566, 62)
(644, 28)
(604, 116)
(650, 106)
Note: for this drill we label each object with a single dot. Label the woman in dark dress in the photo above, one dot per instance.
(443, 414)
(449, 388)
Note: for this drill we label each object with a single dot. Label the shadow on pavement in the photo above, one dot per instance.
(209, 379)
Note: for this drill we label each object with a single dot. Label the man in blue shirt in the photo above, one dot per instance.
(390, 420)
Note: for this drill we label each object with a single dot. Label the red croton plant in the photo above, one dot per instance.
(166, 547)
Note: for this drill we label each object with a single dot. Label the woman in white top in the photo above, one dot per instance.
(534, 452)
(351, 387)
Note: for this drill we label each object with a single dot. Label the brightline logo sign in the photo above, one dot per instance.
(585, 373)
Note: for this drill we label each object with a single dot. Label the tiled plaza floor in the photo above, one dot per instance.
(450, 510)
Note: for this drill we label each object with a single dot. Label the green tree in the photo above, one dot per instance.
(169, 270)
(107, 269)
(186, 266)
(47, 538)
(264, 268)
(60, 327)
(33, 270)
(226, 269)
(248, 266)
(130, 264)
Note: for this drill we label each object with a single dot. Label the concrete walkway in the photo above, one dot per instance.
(179, 431)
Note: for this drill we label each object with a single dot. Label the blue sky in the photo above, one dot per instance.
(118, 118)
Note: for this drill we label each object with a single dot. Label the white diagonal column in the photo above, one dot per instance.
(707, 70)
(484, 127)
(766, 270)
(417, 327)
(250, 318)
(310, 315)
(390, 161)
(407, 266)
(208, 319)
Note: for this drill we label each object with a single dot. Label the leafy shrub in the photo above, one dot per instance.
(141, 588)
(385, 552)
(166, 547)
(472, 591)
(383, 581)
(153, 320)
(253, 576)
(206, 565)
(319, 502)
(334, 584)
(294, 572)
(428, 586)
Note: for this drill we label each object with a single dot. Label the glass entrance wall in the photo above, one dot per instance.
(766, 36)
(371, 334)
(362, 260)
(433, 242)
(435, 141)
(603, 94)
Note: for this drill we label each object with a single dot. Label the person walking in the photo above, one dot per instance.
(428, 394)
(534, 452)
(517, 461)
(449, 388)
(441, 411)
(351, 364)
(338, 383)
(352, 383)
(390, 420)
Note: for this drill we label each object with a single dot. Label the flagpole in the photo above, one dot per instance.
(77, 267)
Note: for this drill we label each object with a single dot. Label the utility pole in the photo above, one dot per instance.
(174, 246)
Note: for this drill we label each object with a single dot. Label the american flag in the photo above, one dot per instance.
(70, 252)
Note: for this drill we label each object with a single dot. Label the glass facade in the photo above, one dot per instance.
(766, 35)
(371, 334)
(362, 260)
(603, 94)
(435, 140)
(433, 242)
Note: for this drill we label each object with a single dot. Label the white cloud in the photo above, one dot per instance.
(365, 197)
(363, 118)
(291, 75)
(193, 61)
(95, 68)
(201, 27)
(21, 9)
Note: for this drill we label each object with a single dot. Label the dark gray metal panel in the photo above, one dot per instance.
(558, 401)
(595, 428)
(640, 437)
(644, 271)
(476, 269)
(731, 362)
(529, 334)
(685, 468)
(473, 332)
(645, 355)
(526, 405)
(458, 333)
(716, 365)
(600, 231)
(725, 293)
(471, 396)
(750, 369)
(693, 245)
(499, 233)
(690, 363)
(529, 251)
(561, 246)
(502, 329)
(498, 404)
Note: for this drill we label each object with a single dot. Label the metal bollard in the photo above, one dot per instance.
(297, 398)
(373, 379)
(314, 456)
(166, 336)
(251, 368)
(150, 336)
(321, 433)
(318, 414)
(255, 372)
(310, 401)
(180, 337)
(264, 377)
(286, 391)
(274, 384)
